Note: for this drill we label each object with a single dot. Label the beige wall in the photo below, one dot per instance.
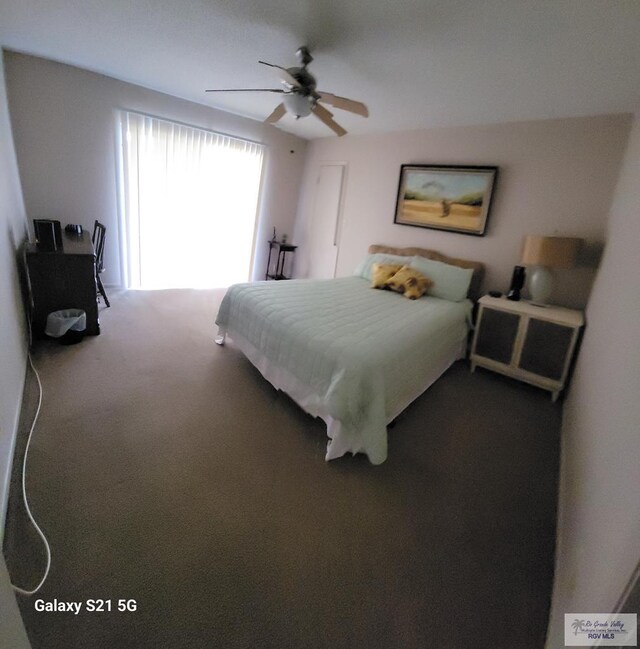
(556, 177)
(13, 330)
(13, 349)
(63, 124)
(599, 517)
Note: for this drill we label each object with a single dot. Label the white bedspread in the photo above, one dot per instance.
(352, 355)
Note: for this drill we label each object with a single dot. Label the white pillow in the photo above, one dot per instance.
(365, 267)
(449, 282)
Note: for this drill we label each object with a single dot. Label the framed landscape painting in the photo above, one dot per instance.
(451, 198)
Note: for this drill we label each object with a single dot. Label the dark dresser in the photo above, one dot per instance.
(64, 279)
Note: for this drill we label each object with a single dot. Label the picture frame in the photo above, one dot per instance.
(453, 198)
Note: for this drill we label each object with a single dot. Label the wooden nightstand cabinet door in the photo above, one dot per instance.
(497, 335)
(545, 348)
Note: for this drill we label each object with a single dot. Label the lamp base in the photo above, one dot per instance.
(540, 285)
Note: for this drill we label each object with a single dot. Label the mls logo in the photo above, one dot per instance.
(578, 626)
(600, 630)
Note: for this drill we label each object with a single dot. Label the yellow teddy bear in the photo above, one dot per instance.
(380, 273)
(408, 281)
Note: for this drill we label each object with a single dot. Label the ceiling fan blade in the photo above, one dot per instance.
(277, 114)
(351, 105)
(285, 75)
(247, 90)
(325, 116)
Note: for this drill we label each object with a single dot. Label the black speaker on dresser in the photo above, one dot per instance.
(48, 234)
(517, 282)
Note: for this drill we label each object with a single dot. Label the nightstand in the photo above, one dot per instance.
(530, 343)
(281, 249)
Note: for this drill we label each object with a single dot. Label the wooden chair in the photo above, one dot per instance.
(97, 239)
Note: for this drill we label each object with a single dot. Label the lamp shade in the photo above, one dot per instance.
(553, 252)
(297, 105)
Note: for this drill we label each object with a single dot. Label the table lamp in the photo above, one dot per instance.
(545, 253)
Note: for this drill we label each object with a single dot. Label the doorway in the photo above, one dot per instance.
(324, 228)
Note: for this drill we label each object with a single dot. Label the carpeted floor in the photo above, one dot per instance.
(164, 469)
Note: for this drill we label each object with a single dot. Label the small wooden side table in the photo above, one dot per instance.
(281, 250)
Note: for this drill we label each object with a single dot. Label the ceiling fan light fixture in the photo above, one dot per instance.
(297, 105)
(300, 97)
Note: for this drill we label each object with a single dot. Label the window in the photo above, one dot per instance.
(189, 200)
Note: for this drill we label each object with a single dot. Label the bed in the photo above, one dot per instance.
(354, 356)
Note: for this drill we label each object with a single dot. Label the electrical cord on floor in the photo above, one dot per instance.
(23, 591)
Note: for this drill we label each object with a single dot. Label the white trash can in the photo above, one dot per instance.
(67, 325)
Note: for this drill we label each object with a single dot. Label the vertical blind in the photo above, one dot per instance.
(189, 202)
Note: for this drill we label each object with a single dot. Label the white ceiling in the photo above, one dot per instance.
(415, 63)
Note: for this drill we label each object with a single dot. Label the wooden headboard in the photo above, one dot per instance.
(478, 267)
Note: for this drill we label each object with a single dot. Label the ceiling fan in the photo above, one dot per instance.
(300, 97)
